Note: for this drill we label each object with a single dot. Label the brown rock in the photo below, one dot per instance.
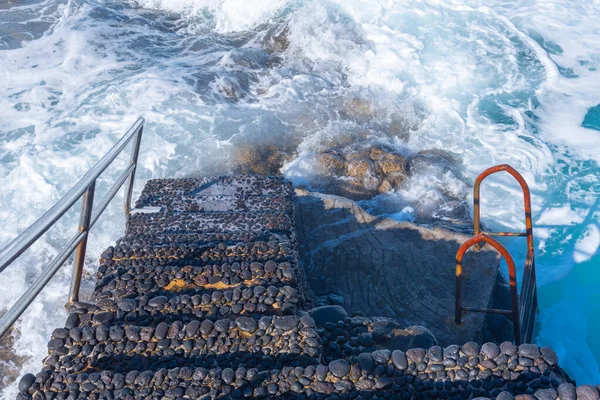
(259, 160)
(358, 109)
(277, 40)
(331, 164)
(389, 163)
(385, 186)
(362, 173)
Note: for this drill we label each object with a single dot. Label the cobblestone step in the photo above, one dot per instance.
(219, 203)
(417, 374)
(150, 308)
(209, 281)
(208, 238)
(117, 348)
(127, 280)
(188, 222)
(213, 252)
(161, 192)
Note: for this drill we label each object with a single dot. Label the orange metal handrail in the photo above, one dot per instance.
(526, 200)
(512, 274)
(524, 307)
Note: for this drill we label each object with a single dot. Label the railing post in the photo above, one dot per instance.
(135, 151)
(87, 203)
(458, 308)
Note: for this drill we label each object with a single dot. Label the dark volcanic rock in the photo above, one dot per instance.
(567, 391)
(339, 368)
(246, 324)
(324, 314)
(26, 381)
(371, 262)
(587, 392)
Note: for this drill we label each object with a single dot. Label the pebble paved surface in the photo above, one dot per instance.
(204, 298)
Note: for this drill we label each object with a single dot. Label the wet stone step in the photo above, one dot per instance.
(208, 238)
(200, 275)
(382, 374)
(128, 281)
(152, 308)
(265, 343)
(354, 335)
(236, 203)
(165, 262)
(216, 251)
(208, 222)
(165, 189)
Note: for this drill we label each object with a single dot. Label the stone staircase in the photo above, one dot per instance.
(204, 298)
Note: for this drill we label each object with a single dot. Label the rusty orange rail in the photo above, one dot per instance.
(526, 202)
(524, 306)
(512, 274)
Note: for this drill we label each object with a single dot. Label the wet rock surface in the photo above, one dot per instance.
(360, 173)
(201, 312)
(399, 270)
(261, 159)
(351, 336)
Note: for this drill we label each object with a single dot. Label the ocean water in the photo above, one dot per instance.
(491, 82)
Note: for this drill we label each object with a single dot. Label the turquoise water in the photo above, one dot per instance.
(592, 118)
(492, 82)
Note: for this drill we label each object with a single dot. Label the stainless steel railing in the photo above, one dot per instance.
(84, 189)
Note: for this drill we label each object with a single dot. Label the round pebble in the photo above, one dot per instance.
(245, 324)
(339, 368)
(366, 362)
(399, 359)
(530, 351)
(158, 301)
(508, 348)
(490, 350)
(26, 381)
(381, 356)
(587, 392)
(546, 394)
(470, 349)
(286, 323)
(549, 355)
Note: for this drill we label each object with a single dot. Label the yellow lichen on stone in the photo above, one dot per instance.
(176, 285)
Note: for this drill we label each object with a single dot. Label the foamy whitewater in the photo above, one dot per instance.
(490, 81)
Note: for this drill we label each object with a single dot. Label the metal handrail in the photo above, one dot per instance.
(526, 203)
(524, 308)
(84, 189)
(512, 275)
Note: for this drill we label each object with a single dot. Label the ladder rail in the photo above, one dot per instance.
(84, 189)
(512, 274)
(528, 299)
(524, 304)
(526, 203)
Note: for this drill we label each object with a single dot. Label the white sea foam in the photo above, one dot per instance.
(229, 15)
(587, 244)
(490, 82)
